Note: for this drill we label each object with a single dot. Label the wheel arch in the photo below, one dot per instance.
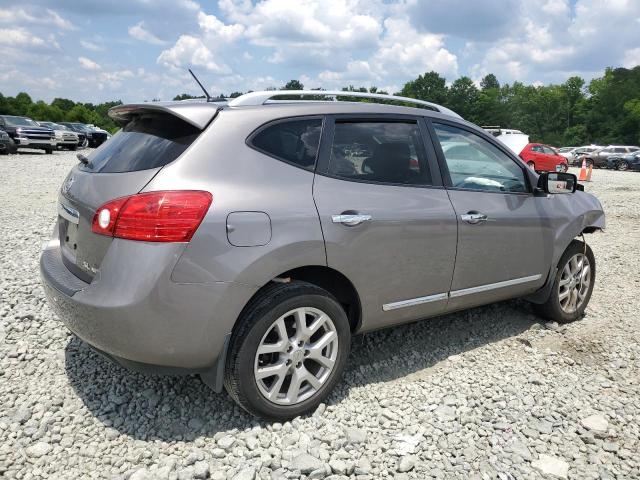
(327, 278)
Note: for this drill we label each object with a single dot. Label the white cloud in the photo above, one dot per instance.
(88, 64)
(89, 45)
(214, 27)
(19, 37)
(21, 15)
(631, 58)
(549, 40)
(139, 32)
(412, 52)
(191, 51)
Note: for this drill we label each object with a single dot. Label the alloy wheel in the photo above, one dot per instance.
(296, 356)
(622, 165)
(574, 283)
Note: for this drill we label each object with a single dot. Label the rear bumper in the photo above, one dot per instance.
(135, 315)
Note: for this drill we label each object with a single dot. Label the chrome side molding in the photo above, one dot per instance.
(493, 286)
(414, 301)
(459, 293)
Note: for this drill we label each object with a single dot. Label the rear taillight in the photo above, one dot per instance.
(165, 216)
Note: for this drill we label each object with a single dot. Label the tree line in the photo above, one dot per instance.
(604, 111)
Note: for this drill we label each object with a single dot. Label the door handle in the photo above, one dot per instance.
(474, 217)
(350, 220)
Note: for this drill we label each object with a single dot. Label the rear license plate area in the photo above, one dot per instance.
(69, 238)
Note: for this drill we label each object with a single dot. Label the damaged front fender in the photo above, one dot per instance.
(569, 215)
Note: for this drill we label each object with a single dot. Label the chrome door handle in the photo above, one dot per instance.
(350, 220)
(473, 217)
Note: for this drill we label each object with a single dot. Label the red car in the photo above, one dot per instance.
(543, 158)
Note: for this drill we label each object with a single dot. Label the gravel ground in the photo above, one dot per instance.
(487, 393)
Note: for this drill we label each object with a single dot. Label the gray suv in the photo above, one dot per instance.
(248, 241)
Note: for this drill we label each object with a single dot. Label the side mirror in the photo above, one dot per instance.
(557, 182)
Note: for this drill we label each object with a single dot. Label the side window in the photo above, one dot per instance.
(379, 152)
(476, 164)
(549, 150)
(294, 141)
(537, 148)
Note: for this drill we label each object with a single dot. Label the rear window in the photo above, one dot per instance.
(294, 141)
(147, 141)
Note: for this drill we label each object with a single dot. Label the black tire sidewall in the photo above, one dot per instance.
(261, 320)
(555, 310)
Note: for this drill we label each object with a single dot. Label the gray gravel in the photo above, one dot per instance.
(488, 393)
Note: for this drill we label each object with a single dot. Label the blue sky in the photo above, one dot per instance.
(97, 50)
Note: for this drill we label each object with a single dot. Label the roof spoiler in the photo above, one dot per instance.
(198, 114)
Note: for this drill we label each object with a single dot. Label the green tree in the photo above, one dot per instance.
(430, 87)
(490, 82)
(293, 85)
(463, 98)
(63, 104)
(186, 96)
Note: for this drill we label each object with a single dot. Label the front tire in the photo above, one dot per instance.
(622, 166)
(288, 351)
(572, 286)
(48, 150)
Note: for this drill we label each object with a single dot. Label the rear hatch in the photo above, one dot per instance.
(149, 139)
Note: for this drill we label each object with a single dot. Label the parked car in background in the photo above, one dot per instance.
(65, 137)
(598, 158)
(94, 137)
(543, 158)
(497, 131)
(248, 241)
(6, 143)
(624, 162)
(567, 152)
(580, 151)
(26, 133)
(100, 130)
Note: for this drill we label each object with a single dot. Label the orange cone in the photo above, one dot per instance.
(583, 171)
(589, 170)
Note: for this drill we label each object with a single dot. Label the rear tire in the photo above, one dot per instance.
(569, 284)
(48, 150)
(272, 315)
(532, 166)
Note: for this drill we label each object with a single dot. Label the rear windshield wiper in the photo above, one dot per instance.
(84, 160)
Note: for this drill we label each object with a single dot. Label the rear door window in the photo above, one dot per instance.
(146, 141)
(379, 152)
(292, 141)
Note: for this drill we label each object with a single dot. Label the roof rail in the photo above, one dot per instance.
(261, 98)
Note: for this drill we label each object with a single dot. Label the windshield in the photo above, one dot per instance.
(20, 122)
(565, 149)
